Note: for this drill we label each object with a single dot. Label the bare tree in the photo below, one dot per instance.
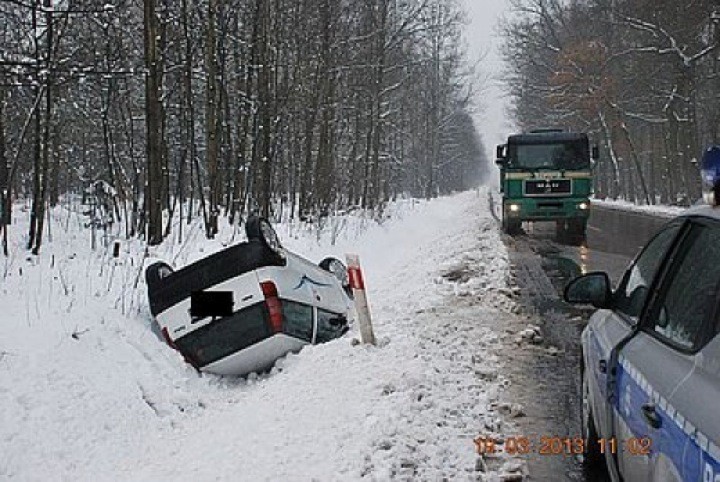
(274, 106)
(153, 128)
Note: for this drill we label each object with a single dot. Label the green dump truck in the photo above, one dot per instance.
(546, 175)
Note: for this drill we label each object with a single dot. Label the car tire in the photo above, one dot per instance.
(593, 456)
(252, 228)
(155, 273)
(154, 276)
(328, 262)
(327, 265)
(254, 231)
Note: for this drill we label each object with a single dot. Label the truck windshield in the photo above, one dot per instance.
(558, 155)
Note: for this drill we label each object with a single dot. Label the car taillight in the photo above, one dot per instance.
(273, 305)
(168, 340)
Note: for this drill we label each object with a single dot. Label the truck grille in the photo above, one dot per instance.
(548, 187)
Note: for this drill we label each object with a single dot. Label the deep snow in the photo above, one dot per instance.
(88, 392)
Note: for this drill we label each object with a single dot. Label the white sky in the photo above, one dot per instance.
(482, 38)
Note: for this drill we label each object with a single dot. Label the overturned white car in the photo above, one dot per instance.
(239, 310)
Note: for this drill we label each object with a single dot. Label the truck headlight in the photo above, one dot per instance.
(584, 206)
(514, 208)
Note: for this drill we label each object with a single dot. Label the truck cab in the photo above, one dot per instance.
(546, 175)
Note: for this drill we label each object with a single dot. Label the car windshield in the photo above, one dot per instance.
(225, 336)
(557, 155)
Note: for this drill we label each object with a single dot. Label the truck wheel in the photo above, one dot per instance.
(571, 231)
(562, 231)
(511, 226)
(577, 231)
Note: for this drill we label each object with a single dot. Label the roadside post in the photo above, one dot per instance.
(361, 303)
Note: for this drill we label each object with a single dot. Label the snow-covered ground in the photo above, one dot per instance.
(88, 392)
(656, 210)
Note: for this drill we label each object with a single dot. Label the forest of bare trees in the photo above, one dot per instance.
(219, 108)
(642, 76)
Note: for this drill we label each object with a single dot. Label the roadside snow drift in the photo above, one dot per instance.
(88, 391)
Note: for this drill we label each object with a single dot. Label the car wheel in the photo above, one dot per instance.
(154, 276)
(155, 273)
(338, 269)
(260, 229)
(592, 456)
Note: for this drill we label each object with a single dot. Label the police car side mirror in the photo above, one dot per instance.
(592, 289)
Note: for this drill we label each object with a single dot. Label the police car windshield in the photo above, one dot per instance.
(557, 155)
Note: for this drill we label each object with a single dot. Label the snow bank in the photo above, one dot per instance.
(88, 392)
(656, 210)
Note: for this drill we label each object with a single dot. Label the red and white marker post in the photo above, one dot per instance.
(361, 303)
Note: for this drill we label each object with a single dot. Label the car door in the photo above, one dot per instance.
(607, 329)
(700, 432)
(656, 418)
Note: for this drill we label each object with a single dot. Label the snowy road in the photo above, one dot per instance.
(88, 393)
(545, 377)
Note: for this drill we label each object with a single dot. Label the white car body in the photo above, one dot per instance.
(314, 304)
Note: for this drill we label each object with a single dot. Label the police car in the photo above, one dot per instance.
(651, 353)
(239, 310)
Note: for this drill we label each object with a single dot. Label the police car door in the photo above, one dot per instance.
(608, 329)
(657, 419)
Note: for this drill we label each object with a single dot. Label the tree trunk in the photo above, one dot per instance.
(37, 147)
(325, 165)
(378, 83)
(46, 147)
(153, 124)
(5, 204)
(211, 119)
(265, 101)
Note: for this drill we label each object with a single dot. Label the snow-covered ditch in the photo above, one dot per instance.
(88, 392)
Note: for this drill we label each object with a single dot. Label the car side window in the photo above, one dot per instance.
(688, 298)
(298, 320)
(635, 286)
